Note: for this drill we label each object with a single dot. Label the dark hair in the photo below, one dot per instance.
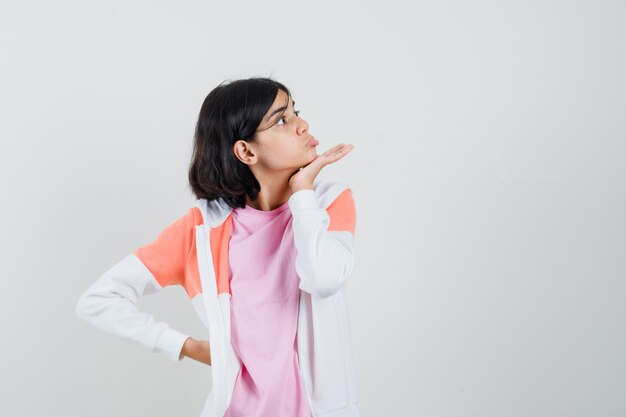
(232, 111)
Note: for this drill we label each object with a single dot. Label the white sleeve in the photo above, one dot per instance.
(325, 258)
(110, 305)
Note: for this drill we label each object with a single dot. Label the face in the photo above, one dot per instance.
(283, 146)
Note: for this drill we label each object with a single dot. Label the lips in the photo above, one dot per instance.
(312, 142)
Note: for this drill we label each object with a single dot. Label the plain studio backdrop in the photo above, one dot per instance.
(488, 173)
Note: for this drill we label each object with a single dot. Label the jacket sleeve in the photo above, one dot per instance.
(110, 302)
(324, 240)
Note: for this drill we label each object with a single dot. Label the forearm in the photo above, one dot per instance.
(110, 305)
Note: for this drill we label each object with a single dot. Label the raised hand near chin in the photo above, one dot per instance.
(304, 177)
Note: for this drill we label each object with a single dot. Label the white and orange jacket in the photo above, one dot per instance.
(193, 252)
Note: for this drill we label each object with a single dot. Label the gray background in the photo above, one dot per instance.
(488, 173)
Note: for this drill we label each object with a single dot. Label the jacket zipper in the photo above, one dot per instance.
(208, 293)
(302, 376)
(223, 336)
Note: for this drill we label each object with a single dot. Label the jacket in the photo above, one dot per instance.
(193, 252)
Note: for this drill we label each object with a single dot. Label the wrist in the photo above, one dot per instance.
(187, 346)
(302, 186)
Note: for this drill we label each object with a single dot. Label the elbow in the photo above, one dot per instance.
(81, 307)
(84, 306)
(327, 291)
(325, 279)
(328, 285)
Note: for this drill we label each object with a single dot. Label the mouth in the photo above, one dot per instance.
(312, 142)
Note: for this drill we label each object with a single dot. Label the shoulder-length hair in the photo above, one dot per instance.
(230, 112)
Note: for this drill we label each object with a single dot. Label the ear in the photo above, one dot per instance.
(244, 152)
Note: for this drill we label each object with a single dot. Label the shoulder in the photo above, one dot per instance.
(166, 254)
(186, 222)
(212, 213)
(177, 234)
(339, 200)
(332, 193)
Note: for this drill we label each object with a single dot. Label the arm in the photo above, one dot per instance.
(110, 302)
(199, 350)
(324, 240)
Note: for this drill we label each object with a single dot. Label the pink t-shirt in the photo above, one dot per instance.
(264, 312)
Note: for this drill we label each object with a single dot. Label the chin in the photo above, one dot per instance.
(309, 157)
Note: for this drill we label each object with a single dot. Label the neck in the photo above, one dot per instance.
(275, 191)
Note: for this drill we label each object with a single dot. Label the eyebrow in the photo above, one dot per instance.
(278, 110)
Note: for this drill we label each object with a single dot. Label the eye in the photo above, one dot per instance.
(297, 112)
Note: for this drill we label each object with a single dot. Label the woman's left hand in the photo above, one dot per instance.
(304, 177)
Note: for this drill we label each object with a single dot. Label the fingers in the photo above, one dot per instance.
(342, 147)
(333, 149)
(339, 150)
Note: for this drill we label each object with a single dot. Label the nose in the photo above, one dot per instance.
(302, 126)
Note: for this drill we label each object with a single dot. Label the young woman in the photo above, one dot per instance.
(263, 256)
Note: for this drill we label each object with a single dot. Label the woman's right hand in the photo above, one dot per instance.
(199, 350)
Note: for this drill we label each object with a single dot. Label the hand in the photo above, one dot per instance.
(199, 350)
(304, 177)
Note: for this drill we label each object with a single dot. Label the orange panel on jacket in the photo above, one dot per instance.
(171, 257)
(342, 212)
